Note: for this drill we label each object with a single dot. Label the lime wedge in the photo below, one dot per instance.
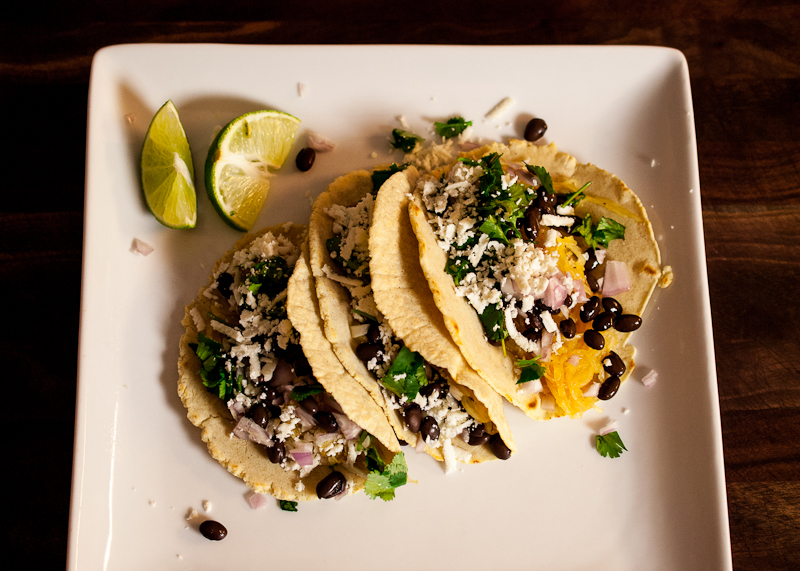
(167, 170)
(238, 163)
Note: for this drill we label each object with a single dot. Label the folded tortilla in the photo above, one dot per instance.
(609, 197)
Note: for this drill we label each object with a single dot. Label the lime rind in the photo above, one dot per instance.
(166, 170)
(238, 162)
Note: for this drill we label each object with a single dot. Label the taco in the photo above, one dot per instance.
(541, 268)
(270, 414)
(430, 398)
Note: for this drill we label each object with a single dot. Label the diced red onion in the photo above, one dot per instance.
(610, 426)
(237, 410)
(616, 279)
(320, 143)
(247, 429)
(465, 435)
(521, 172)
(600, 254)
(349, 428)
(258, 501)
(306, 419)
(509, 287)
(580, 292)
(141, 248)
(302, 458)
(574, 360)
(468, 145)
(650, 379)
(556, 293)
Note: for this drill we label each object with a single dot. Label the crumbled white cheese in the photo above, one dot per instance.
(500, 108)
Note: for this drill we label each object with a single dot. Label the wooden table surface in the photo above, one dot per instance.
(744, 61)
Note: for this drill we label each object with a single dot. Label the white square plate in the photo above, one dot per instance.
(556, 505)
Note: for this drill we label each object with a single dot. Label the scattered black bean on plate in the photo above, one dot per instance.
(535, 129)
(305, 159)
(213, 530)
(331, 485)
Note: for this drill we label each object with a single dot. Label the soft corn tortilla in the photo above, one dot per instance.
(639, 251)
(242, 458)
(402, 295)
(334, 303)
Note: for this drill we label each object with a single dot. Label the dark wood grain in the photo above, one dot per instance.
(744, 61)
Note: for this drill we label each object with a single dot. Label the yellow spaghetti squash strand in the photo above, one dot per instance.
(566, 381)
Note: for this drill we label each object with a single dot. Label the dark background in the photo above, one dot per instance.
(744, 61)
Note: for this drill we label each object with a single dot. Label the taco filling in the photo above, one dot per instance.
(522, 258)
(253, 361)
(423, 396)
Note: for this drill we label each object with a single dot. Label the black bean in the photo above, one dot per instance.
(612, 305)
(592, 262)
(331, 485)
(274, 411)
(429, 429)
(283, 373)
(499, 447)
(590, 309)
(594, 339)
(547, 198)
(369, 351)
(305, 159)
(603, 321)
(259, 414)
(374, 333)
(592, 281)
(568, 328)
(427, 390)
(615, 365)
(532, 334)
(428, 370)
(270, 394)
(541, 306)
(326, 421)
(402, 442)
(627, 322)
(224, 283)
(609, 388)
(213, 530)
(535, 129)
(529, 224)
(413, 416)
(310, 405)
(277, 452)
(302, 368)
(478, 436)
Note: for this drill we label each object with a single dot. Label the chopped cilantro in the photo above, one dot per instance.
(494, 322)
(601, 234)
(334, 246)
(531, 370)
(404, 140)
(381, 176)
(576, 196)
(610, 445)
(468, 162)
(287, 506)
(543, 176)
(406, 374)
(302, 392)
(216, 378)
(382, 484)
(496, 230)
(454, 126)
(269, 277)
(458, 268)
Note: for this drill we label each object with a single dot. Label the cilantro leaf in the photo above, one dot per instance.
(494, 322)
(382, 484)
(458, 268)
(492, 228)
(404, 140)
(543, 176)
(269, 277)
(302, 392)
(287, 505)
(406, 374)
(468, 162)
(214, 374)
(576, 196)
(366, 315)
(598, 236)
(531, 370)
(454, 126)
(610, 445)
(381, 176)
